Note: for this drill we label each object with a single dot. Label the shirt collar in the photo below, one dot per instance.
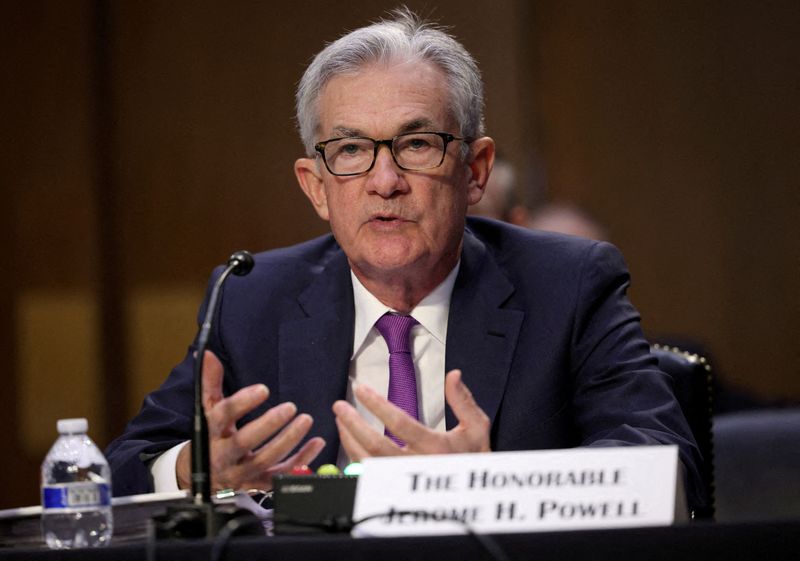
(431, 312)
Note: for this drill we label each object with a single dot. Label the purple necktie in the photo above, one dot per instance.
(402, 379)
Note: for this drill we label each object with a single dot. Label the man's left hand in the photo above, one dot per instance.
(360, 440)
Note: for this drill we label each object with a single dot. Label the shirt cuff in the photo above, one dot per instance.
(163, 470)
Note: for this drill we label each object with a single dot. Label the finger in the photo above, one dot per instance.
(254, 433)
(371, 441)
(223, 415)
(460, 399)
(239, 463)
(307, 453)
(408, 429)
(354, 450)
(183, 467)
(213, 373)
(262, 479)
(282, 444)
(472, 432)
(257, 467)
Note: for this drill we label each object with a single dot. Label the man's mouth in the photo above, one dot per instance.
(385, 218)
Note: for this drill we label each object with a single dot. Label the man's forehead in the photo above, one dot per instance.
(385, 100)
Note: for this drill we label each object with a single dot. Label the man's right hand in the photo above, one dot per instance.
(247, 457)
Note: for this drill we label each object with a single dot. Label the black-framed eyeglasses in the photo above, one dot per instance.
(413, 151)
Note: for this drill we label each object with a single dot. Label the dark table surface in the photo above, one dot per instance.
(768, 541)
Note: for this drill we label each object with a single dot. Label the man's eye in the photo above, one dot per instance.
(414, 144)
(350, 148)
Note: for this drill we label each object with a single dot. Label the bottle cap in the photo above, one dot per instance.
(72, 426)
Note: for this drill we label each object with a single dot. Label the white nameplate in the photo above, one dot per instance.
(500, 492)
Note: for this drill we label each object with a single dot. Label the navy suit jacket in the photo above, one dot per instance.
(539, 323)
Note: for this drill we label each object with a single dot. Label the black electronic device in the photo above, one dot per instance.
(309, 504)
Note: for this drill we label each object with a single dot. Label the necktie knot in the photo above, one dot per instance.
(395, 329)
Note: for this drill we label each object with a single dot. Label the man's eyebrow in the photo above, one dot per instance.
(416, 125)
(410, 126)
(346, 132)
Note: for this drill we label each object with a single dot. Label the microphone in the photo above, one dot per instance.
(240, 263)
(203, 518)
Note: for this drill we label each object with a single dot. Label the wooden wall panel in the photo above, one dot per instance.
(49, 223)
(58, 343)
(672, 124)
(161, 323)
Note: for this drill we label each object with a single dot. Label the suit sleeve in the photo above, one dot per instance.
(164, 421)
(620, 396)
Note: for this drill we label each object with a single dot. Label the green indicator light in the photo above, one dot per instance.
(354, 469)
(328, 469)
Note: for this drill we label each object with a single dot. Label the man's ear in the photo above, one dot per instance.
(310, 180)
(480, 164)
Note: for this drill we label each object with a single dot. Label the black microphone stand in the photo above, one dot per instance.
(202, 518)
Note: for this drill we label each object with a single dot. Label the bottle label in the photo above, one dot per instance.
(76, 495)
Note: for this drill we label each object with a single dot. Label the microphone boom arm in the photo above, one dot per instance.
(240, 263)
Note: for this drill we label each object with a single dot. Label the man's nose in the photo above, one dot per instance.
(385, 177)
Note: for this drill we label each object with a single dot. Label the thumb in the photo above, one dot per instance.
(213, 372)
(458, 396)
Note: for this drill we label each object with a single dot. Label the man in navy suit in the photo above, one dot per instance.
(523, 340)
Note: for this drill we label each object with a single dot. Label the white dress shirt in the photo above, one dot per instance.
(369, 365)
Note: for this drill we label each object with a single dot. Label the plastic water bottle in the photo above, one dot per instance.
(76, 490)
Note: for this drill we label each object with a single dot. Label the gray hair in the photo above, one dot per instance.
(403, 38)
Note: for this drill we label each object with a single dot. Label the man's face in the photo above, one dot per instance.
(391, 223)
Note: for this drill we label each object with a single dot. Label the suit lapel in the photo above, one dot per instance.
(314, 351)
(481, 335)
